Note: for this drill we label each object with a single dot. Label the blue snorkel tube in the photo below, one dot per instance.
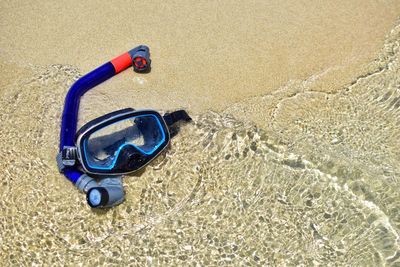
(71, 108)
(139, 58)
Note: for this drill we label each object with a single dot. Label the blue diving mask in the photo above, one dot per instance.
(123, 141)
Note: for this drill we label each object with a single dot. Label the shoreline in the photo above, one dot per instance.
(206, 56)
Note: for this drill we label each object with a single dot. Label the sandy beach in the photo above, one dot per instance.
(206, 55)
(293, 156)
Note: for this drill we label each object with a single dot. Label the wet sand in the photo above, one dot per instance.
(292, 157)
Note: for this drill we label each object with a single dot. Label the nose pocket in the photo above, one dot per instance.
(130, 158)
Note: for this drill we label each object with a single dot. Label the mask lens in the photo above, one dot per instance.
(144, 132)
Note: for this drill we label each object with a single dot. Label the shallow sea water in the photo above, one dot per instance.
(312, 179)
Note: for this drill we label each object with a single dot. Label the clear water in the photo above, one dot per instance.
(314, 179)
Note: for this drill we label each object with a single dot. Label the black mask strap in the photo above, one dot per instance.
(173, 117)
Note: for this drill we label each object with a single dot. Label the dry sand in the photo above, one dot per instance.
(206, 54)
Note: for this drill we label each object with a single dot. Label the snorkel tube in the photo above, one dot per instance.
(140, 59)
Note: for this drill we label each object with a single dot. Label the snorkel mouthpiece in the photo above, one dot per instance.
(105, 197)
(107, 193)
(97, 197)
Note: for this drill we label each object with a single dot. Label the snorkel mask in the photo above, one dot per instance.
(96, 156)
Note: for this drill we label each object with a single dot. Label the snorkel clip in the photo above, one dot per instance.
(66, 158)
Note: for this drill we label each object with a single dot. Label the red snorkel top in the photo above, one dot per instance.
(138, 58)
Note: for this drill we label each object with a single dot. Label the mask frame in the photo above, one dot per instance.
(113, 117)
